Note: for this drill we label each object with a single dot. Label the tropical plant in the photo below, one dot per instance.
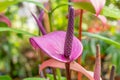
(61, 46)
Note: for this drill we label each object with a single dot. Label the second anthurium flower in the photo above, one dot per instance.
(97, 5)
(63, 47)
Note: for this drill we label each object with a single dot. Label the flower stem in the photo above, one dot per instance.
(80, 25)
(68, 73)
(80, 38)
(50, 21)
(42, 60)
(58, 74)
(54, 73)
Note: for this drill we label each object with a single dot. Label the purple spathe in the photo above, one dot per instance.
(52, 44)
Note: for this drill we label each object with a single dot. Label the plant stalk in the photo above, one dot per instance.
(42, 60)
(68, 72)
(80, 25)
(54, 73)
(50, 21)
(59, 74)
(80, 38)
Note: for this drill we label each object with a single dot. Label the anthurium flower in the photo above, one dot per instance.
(4, 19)
(63, 47)
(98, 6)
(53, 43)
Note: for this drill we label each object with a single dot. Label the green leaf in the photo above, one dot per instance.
(34, 79)
(59, 6)
(106, 11)
(6, 3)
(58, 74)
(6, 77)
(2, 29)
(111, 12)
(84, 5)
(50, 76)
(107, 40)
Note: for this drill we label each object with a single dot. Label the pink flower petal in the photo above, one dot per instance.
(73, 66)
(98, 5)
(53, 45)
(4, 19)
(92, 74)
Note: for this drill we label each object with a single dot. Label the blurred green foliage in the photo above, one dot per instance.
(5, 78)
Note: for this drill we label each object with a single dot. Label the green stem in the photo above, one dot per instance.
(54, 73)
(58, 74)
(50, 21)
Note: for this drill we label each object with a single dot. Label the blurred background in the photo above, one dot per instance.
(19, 60)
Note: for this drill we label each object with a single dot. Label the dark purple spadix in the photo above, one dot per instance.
(69, 34)
(41, 28)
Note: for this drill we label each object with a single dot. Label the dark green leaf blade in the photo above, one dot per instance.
(107, 40)
(2, 29)
(110, 12)
(6, 3)
(106, 11)
(34, 79)
(6, 77)
(85, 6)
